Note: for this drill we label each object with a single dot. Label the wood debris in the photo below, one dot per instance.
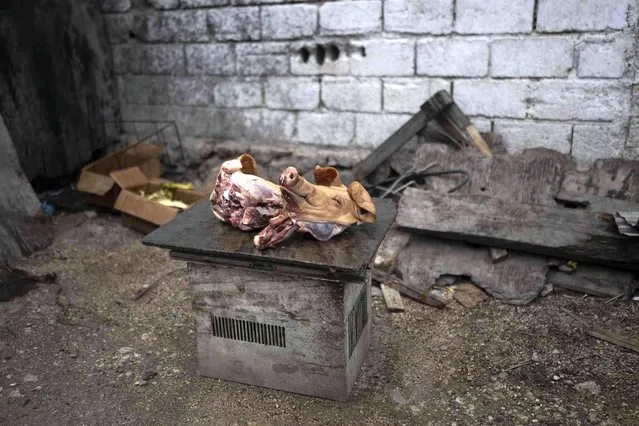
(605, 335)
(392, 298)
(568, 233)
(469, 295)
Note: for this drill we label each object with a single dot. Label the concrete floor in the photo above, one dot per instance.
(83, 352)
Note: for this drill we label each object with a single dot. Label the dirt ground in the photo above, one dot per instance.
(82, 351)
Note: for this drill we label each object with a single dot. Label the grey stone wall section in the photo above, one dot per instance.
(347, 72)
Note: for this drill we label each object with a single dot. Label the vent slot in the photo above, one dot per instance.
(357, 319)
(248, 331)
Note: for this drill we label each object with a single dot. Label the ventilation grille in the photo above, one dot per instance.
(249, 331)
(357, 319)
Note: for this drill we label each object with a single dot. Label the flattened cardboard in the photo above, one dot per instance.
(96, 180)
(141, 213)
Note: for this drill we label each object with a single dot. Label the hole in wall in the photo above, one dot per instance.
(320, 54)
(362, 51)
(333, 52)
(305, 54)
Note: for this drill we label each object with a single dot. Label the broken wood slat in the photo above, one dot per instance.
(613, 338)
(596, 280)
(414, 293)
(469, 295)
(604, 335)
(566, 233)
(392, 298)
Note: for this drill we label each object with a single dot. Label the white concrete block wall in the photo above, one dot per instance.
(560, 74)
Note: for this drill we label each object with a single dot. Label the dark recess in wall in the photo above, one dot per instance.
(57, 92)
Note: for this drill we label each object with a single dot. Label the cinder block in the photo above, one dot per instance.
(164, 4)
(452, 57)
(498, 98)
(383, 58)
(578, 100)
(210, 59)
(408, 94)
(298, 93)
(579, 15)
(115, 6)
(118, 27)
(418, 16)
(262, 58)
(234, 123)
(633, 132)
(238, 93)
(167, 90)
(277, 125)
(593, 141)
(288, 21)
(494, 16)
(318, 128)
(150, 59)
(604, 59)
(171, 26)
(631, 153)
(235, 23)
(203, 3)
(521, 135)
(532, 57)
(373, 129)
(357, 17)
(352, 94)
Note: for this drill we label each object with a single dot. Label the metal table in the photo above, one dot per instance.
(294, 318)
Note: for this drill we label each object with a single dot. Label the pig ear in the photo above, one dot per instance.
(249, 166)
(364, 202)
(327, 176)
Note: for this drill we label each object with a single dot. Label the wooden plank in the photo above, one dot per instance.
(414, 293)
(391, 145)
(565, 233)
(596, 280)
(392, 298)
(427, 261)
(427, 112)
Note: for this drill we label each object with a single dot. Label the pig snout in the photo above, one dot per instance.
(290, 177)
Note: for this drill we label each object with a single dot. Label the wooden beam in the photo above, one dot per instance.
(427, 112)
(565, 233)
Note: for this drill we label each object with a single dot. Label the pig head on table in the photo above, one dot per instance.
(323, 210)
(243, 199)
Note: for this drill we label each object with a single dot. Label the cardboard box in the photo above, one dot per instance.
(141, 213)
(96, 180)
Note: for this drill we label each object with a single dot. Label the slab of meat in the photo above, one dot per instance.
(243, 199)
(323, 210)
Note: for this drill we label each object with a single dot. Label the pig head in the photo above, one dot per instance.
(323, 210)
(243, 199)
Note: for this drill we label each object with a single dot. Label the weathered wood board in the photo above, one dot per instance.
(392, 298)
(595, 280)
(566, 233)
(613, 177)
